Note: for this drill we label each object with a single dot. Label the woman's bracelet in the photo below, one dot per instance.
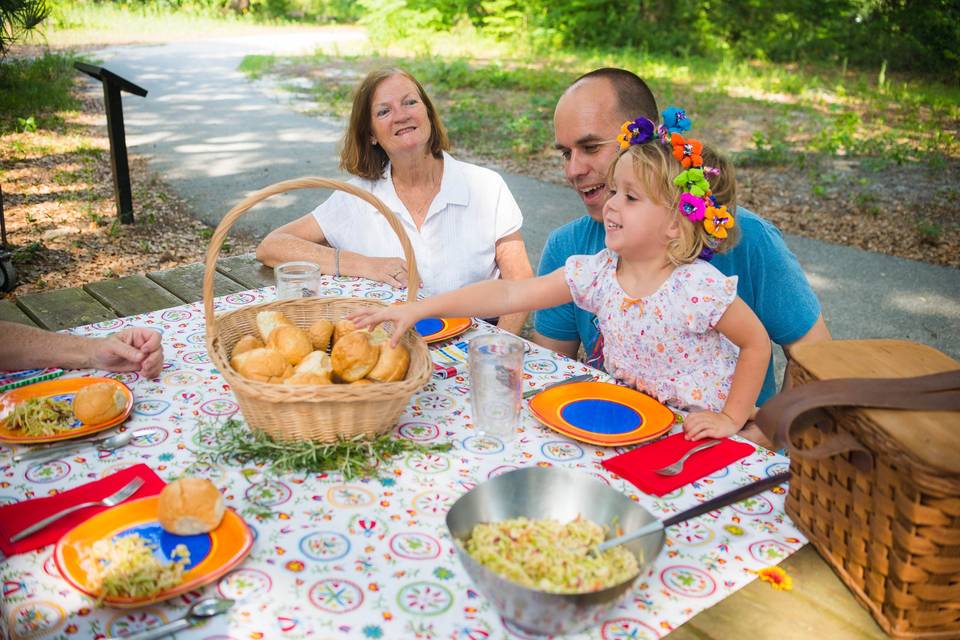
(336, 259)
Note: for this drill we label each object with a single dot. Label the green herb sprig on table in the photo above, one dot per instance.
(357, 457)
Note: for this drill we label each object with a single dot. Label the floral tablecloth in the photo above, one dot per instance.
(371, 558)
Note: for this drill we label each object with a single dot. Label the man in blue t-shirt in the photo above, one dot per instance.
(586, 123)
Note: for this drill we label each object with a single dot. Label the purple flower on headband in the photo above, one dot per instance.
(692, 207)
(675, 120)
(707, 253)
(639, 131)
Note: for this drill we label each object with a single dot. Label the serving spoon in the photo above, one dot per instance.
(200, 611)
(108, 443)
(713, 504)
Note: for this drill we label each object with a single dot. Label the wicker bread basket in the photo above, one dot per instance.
(311, 412)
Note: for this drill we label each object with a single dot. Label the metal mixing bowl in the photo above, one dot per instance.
(558, 494)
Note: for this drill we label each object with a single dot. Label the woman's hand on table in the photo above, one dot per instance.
(391, 271)
(133, 349)
(707, 424)
(402, 315)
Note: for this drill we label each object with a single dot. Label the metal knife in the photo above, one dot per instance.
(583, 377)
(60, 447)
(199, 612)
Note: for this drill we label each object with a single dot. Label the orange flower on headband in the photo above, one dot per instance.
(717, 221)
(687, 151)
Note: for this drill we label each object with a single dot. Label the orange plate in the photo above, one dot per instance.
(211, 554)
(437, 329)
(601, 413)
(61, 389)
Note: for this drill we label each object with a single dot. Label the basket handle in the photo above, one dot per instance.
(216, 242)
(802, 407)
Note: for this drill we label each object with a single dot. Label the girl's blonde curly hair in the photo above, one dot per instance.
(655, 168)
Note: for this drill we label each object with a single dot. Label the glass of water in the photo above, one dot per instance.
(496, 375)
(297, 279)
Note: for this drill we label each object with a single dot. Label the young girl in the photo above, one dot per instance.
(672, 324)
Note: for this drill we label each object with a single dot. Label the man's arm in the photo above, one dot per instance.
(816, 333)
(566, 347)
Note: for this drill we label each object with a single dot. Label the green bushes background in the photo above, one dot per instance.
(920, 36)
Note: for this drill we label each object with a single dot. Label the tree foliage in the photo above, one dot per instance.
(916, 35)
(17, 17)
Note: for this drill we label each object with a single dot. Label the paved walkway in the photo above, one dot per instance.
(216, 137)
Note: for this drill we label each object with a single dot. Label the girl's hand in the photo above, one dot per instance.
(403, 316)
(707, 424)
(391, 271)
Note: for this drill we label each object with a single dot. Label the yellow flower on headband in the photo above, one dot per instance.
(717, 220)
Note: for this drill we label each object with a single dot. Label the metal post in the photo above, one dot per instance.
(112, 86)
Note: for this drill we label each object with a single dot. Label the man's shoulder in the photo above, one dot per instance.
(578, 236)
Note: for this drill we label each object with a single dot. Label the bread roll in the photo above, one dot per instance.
(293, 343)
(98, 403)
(320, 333)
(363, 381)
(247, 343)
(353, 356)
(267, 321)
(189, 506)
(262, 365)
(392, 363)
(314, 369)
(342, 328)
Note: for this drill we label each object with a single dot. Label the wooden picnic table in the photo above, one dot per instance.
(818, 606)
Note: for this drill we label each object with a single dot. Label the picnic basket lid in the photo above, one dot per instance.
(932, 437)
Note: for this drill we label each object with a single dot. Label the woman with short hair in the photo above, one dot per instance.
(462, 220)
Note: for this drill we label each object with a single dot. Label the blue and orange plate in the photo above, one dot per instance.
(212, 554)
(601, 413)
(437, 329)
(61, 389)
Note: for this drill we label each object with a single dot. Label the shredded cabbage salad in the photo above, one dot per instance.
(127, 568)
(40, 417)
(550, 556)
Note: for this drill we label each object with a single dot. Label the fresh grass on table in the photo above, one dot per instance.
(232, 441)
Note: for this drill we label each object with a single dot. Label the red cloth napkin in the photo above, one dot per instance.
(20, 515)
(637, 466)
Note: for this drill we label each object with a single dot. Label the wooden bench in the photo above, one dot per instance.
(819, 606)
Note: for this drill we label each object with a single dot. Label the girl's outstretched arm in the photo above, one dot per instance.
(743, 328)
(481, 300)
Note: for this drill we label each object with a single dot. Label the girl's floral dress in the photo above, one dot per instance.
(663, 344)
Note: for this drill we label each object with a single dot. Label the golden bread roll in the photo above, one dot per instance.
(392, 364)
(379, 334)
(341, 328)
(267, 321)
(189, 506)
(362, 381)
(320, 333)
(247, 343)
(293, 343)
(98, 403)
(308, 378)
(314, 369)
(353, 356)
(262, 365)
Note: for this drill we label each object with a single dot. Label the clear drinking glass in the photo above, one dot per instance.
(297, 279)
(496, 375)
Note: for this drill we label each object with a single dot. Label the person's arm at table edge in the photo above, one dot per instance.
(132, 349)
(512, 260)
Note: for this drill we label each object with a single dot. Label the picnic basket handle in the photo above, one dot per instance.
(804, 406)
(216, 242)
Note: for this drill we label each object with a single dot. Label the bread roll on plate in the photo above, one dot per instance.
(267, 321)
(353, 356)
(262, 365)
(98, 403)
(293, 343)
(189, 506)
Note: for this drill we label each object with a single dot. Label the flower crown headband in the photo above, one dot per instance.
(697, 203)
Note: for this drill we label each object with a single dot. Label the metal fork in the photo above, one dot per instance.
(110, 501)
(677, 467)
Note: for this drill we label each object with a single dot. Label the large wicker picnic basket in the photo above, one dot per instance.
(873, 430)
(311, 412)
